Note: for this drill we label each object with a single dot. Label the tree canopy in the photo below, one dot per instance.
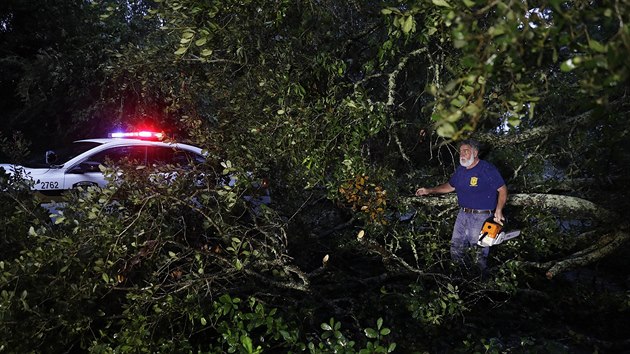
(346, 107)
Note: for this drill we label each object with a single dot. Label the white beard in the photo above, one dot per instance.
(467, 163)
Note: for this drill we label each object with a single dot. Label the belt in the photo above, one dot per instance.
(476, 211)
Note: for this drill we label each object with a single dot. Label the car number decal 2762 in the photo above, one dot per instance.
(50, 185)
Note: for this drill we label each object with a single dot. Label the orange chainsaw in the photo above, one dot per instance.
(491, 233)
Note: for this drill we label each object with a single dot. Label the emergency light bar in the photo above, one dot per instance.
(138, 135)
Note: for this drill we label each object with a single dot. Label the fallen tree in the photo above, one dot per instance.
(607, 240)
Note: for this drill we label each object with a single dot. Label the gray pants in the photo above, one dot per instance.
(465, 236)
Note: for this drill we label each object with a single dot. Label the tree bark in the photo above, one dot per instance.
(561, 203)
(539, 133)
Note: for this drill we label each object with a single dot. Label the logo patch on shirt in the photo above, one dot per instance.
(473, 181)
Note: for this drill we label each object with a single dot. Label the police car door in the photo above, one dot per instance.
(88, 173)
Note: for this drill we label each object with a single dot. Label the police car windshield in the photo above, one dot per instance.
(63, 155)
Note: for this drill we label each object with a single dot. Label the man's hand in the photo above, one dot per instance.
(422, 191)
(498, 216)
(441, 189)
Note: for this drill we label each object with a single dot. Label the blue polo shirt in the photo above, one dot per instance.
(477, 188)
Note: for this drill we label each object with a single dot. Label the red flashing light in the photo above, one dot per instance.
(146, 135)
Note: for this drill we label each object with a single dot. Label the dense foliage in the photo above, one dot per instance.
(346, 107)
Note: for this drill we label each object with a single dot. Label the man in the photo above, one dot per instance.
(481, 192)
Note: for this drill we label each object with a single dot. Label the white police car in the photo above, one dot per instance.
(78, 164)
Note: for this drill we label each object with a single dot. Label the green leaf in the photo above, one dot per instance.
(454, 117)
(206, 52)
(446, 130)
(496, 31)
(247, 344)
(596, 46)
(442, 3)
(391, 10)
(472, 109)
(532, 107)
(181, 50)
(285, 335)
(459, 43)
(515, 122)
(201, 41)
(567, 65)
(436, 117)
(458, 101)
(408, 24)
(326, 327)
(371, 333)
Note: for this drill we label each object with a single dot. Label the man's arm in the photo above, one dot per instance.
(501, 200)
(441, 189)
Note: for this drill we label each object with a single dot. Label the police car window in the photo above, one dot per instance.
(160, 155)
(63, 154)
(133, 154)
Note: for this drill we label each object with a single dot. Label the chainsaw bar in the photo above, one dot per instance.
(486, 241)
